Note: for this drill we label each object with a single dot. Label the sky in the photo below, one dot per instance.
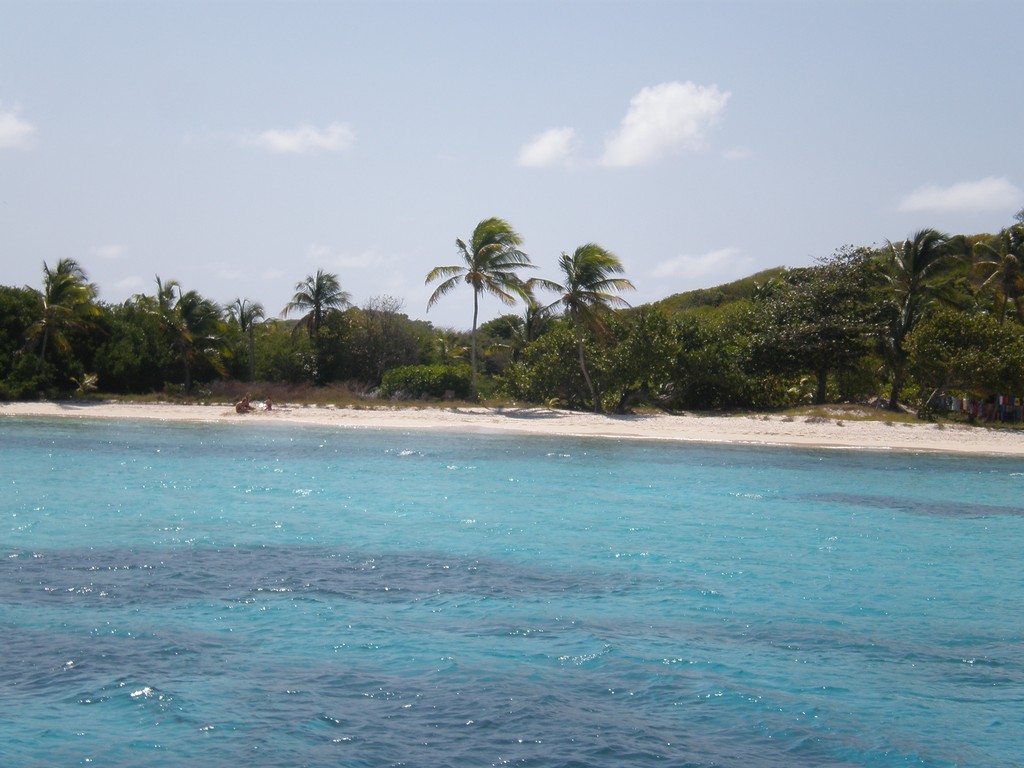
(238, 147)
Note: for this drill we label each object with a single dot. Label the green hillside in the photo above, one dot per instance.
(718, 295)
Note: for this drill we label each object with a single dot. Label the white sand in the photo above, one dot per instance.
(749, 429)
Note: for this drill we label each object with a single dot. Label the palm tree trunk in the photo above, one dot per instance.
(42, 348)
(897, 387)
(586, 375)
(472, 351)
(188, 373)
(252, 356)
(822, 379)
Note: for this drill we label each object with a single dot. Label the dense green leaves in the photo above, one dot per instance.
(815, 322)
(928, 314)
(490, 264)
(589, 291)
(975, 354)
(415, 381)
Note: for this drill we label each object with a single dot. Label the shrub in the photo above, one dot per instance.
(427, 381)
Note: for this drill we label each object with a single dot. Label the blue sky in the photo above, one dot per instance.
(239, 146)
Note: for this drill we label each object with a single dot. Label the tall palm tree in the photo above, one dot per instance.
(912, 267)
(1002, 269)
(490, 261)
(193, 325)
(246, 314)
(318, 295)
(198, 333)
(68, 304)
(589, 291)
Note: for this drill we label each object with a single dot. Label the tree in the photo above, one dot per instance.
(973, 353)
(135, 354)
(911, 271)
(246, 314)
(382, 337)
(590, 290)
(19, 309)
(198, 334)
(319, 295)
(814, 320)
(193, 326)
(490, 262)
(1000, 268)
(68, 305)
(640, 363)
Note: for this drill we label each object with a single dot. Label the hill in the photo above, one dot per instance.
(718, 295)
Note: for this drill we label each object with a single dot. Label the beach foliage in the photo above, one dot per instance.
(246, 314)
(491, 262)
(897, 325)
(999, 268)
(68, 308)
(967, 352)
(913, 272)
(415, 381)
(813, 320)
(589, 290)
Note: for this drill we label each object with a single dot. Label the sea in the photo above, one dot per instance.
(279, 595)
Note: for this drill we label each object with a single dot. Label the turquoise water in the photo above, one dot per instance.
(180, 595)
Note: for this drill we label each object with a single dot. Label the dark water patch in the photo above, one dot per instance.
(922, 507)
(290, 713)
(130, 577)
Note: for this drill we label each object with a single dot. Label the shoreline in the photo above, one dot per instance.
(752, 429)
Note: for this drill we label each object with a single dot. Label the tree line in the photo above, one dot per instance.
(904, 323)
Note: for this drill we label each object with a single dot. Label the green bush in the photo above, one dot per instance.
(427, 381)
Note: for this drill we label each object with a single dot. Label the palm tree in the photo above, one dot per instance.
(911, 270)
(198, 333)
(318, 295)
(68, 304)
(1002, 270)
(490, 261)
(193, 324)
(247, 313)
(589, 291)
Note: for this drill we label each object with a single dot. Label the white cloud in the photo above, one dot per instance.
(15, 133)
(663, 120)
(337, 137)
(989, 194)
(550, 148)
(712, 268)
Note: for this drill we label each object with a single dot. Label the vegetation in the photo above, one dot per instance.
(908, 326)
(589, 292)
(491, 262)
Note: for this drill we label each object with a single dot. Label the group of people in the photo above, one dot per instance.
(245, 405)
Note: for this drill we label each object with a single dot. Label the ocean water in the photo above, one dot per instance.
(274, 595)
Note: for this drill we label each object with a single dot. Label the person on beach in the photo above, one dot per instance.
(242, 406)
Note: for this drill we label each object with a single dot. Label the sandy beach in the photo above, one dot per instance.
(742, 429)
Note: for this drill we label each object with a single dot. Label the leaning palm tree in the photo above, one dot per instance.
(318, 295)
(912, 267)
(1001, 269)
(246, 314)
(490, 261)
(68, 305)
(589, 291)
